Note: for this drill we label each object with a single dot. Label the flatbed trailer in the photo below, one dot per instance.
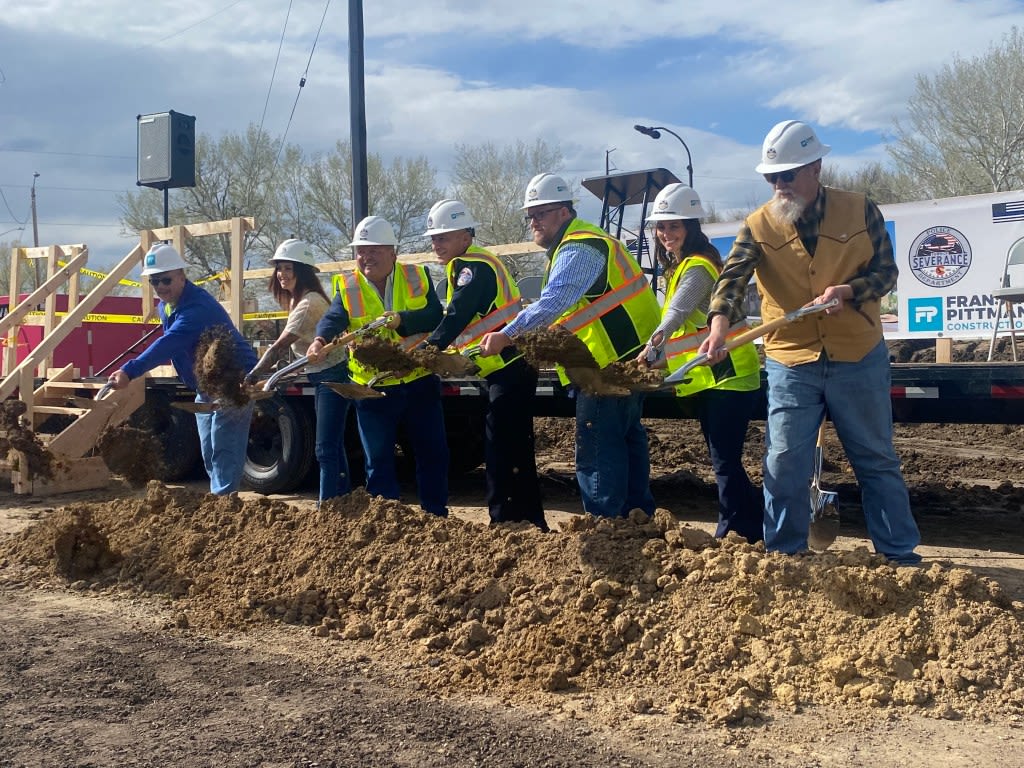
(281, 446)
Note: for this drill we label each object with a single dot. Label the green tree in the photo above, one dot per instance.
(964, 132)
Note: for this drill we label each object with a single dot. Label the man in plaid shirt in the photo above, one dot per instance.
(809, 245)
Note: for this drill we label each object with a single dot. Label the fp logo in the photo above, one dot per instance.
(925, 314)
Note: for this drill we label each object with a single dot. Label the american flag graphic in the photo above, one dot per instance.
(1012, 211)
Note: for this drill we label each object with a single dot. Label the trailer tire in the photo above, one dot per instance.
(281, 444)
(176, 430)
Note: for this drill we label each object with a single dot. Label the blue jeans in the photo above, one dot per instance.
(724, 416)
(417, 406)
(613, 467)
(331, 416)
(224, 439)
(857, 397)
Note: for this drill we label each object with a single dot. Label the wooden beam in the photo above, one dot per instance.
(72, 475)
(944, 350)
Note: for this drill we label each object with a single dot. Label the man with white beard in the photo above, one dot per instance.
(811, 244)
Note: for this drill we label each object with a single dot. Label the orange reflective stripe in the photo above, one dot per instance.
(489, 322)
(689, 342)
(409, 343)
(353, 298)
(415, 278)
(595, 310)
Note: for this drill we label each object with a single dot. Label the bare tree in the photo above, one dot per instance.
(401, 192)
(881, 184)
(491, 181)
(964, 133)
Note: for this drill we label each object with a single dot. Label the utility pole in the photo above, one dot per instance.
(35, 231)
(357, 113)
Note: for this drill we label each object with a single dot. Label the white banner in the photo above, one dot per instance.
(951, 253)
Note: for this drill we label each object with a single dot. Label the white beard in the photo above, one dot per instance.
(786, 210)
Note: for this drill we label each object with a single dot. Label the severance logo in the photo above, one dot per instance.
(940, 256)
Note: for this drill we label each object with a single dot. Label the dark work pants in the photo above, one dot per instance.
(513, 490)
(724, 416)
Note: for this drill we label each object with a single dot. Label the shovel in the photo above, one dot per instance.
(354, 391)
(824, 504)
(682, 376)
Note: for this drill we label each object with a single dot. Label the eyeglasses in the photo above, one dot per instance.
(155, 281)
(786, 177)
(538, 215)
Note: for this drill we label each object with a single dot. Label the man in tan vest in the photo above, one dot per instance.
(811, 244)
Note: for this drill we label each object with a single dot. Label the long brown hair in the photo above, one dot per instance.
(305, 282)
(695, 243)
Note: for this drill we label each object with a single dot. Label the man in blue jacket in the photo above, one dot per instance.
(186, 311)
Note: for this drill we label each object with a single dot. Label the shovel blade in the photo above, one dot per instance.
(824, 519)
(354, 391)
(190, 407)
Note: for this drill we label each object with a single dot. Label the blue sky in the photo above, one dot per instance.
(75, 73)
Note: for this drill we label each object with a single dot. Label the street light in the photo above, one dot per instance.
(655, 133)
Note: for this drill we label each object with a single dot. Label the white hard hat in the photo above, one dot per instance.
(374, 230)
(448, 216)
(790, 144)
(676, 201)
(295, 250)
(162, 258)
(546, 188)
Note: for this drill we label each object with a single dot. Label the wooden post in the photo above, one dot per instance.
(943, 350)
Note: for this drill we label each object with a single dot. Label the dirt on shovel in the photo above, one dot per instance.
(219, 372)
(557, 346)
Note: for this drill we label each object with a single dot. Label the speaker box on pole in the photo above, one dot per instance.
(167, 150)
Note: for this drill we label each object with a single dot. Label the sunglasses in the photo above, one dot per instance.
(538, 215)
(155, 281)
(786, 177)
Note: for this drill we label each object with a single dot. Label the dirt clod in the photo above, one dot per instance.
(219, 372)
(133, 453)
(15, 435)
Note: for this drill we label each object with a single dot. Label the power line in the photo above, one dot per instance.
(273, 73)
(302, 84)
(7, 205)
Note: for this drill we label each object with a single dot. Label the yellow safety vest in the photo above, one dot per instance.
(505, 306)
(364, 304)
(618, 314)
(739, 371)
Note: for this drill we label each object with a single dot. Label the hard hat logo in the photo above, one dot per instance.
(532, 193)
(771, 154)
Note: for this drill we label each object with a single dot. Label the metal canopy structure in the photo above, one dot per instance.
(618, 190)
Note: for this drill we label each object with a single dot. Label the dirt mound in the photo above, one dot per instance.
(691, 625)
(219, 372)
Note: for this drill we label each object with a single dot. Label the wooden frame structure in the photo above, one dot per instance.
(62, 391)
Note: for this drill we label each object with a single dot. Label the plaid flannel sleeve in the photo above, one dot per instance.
(727, 298)
(879, 276)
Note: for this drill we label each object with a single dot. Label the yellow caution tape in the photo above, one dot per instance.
(102, 275)
(102, 318)
(279, 315)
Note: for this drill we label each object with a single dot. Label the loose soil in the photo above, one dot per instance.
(164, 626)
(17, 438)
(219, 372)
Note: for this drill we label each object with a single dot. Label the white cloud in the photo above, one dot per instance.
(580, 73)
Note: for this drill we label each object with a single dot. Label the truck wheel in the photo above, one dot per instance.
(177, 433)
(281, 449)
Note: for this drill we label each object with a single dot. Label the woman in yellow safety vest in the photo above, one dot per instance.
(727, 393)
